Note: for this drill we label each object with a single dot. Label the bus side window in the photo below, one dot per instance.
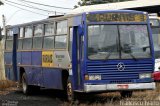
(37, 38)
(48, 42)
(28, 32)
(49, 33)
(9, 40)
(159, 38)
(38, 30)
(20, 42)
(21, 32)
(9, 34)
(9, 44)
(27, 41)
(61, 42)
(49, 29)
(61, 37)
(61, 27)
(70, 41)
(37, 42)
(20, 39)
(27, 44)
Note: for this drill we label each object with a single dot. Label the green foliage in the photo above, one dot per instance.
(1, 3)
(92, 2)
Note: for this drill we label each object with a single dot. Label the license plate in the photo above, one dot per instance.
(122, 86)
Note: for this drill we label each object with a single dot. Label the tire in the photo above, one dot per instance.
(70, 95)
(125, 94)
(25, 87)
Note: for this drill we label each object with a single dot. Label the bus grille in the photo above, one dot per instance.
(111, 73)
(120, 81)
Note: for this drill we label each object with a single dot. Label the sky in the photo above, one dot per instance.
(16, 15)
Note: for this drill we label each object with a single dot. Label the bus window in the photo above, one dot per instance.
(28, 31)
(48, 42)
(27, 44)
(38, 30)
(20, 41)
(49, 29)
(156, 41)
(138, 44)
(37, 42)
(62, 27)
(70, 41)
(154, 22)
(21, 30)
(9, 44)
(101, 42)
(61, 42)
(9, 34)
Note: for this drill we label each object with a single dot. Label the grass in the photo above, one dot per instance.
(104, 99)
(114, 99)
(4, 84)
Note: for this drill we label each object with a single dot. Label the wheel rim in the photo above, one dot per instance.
(69, 90)
(24, 85)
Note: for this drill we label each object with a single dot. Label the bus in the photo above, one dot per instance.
(155, 26)
(89, 52)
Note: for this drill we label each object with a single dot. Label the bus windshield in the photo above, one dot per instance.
(118, 42)
(156, 41)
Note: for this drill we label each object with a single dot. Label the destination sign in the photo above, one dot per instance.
(116, 17)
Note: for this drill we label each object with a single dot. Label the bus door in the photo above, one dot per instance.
(76, 57)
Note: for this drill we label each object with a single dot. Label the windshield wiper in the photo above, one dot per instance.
(133, 57)
(127, 50)
(109, 54)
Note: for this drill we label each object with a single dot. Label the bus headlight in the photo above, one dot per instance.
(94, 77)
(145, 75)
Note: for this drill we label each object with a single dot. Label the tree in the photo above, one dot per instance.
(92, 2)
(1, 3)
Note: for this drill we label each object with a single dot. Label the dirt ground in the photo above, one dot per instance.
(14, 97)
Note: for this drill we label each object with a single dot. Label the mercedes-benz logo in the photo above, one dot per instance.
(120, 66)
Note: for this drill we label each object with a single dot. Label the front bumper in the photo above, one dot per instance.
(114, 87)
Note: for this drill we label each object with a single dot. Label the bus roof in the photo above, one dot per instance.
(116, 6)
(50, 19)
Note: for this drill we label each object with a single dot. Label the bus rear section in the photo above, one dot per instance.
(118, 52)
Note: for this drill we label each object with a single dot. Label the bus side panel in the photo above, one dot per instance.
(34, 76)
(26, 58)
(52, 78)
(8, 58)
(8, 65)
(19, 56)
(37, 58)
(9, 73)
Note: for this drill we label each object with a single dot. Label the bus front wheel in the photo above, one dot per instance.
(126, 94)
(69, 91)
(25, 87)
